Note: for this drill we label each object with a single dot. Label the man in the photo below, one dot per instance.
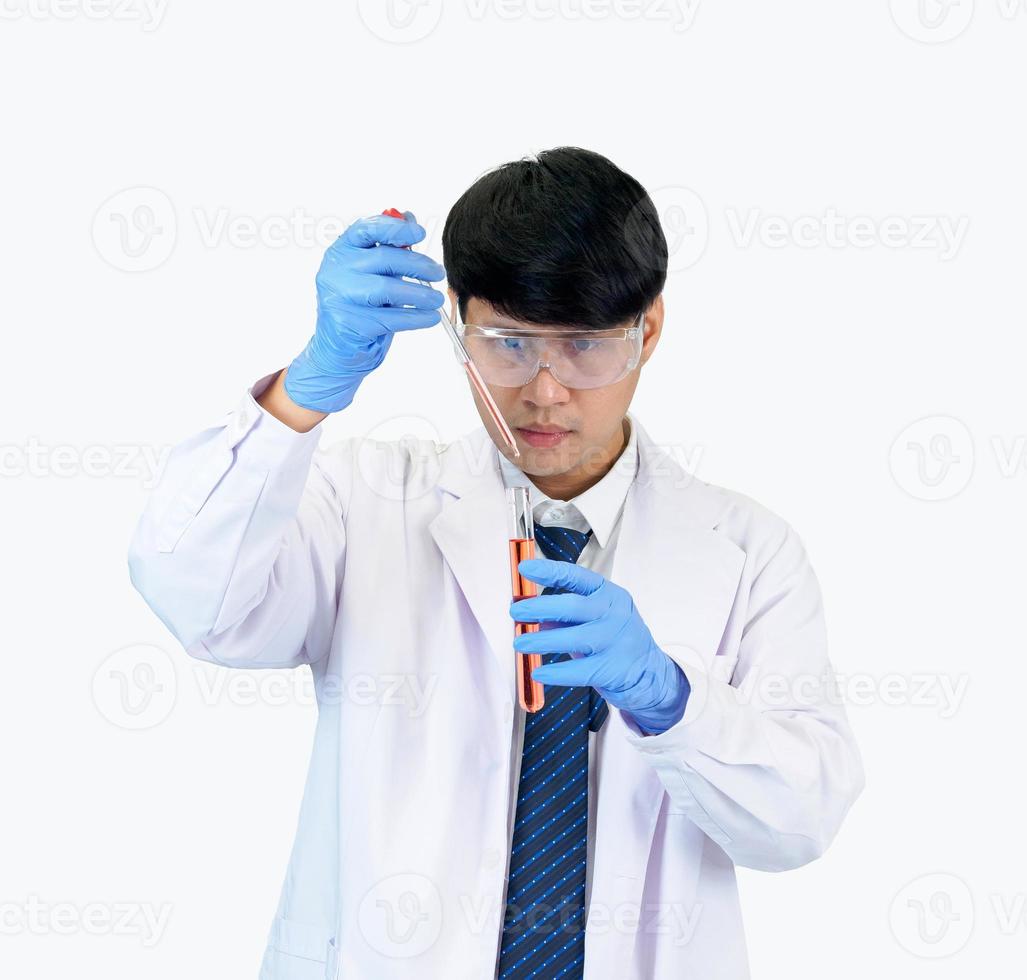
(445, 831)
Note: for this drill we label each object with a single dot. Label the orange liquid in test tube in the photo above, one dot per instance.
(530, 693)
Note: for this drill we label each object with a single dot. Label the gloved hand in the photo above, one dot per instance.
(599, 619)
(360, 300)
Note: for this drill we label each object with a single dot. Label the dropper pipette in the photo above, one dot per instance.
(472, 371)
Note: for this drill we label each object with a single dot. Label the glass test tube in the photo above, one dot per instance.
(530, 693)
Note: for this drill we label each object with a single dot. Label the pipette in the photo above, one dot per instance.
(472, 372)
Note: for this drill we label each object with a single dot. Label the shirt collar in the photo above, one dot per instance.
(598, 507)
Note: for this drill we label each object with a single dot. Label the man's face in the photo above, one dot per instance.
(592, 419)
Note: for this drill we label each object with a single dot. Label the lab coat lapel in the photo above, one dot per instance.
(471, 532)
(683, 576)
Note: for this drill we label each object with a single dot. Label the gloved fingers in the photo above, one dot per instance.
(380, 229)
(587, 638)
(566, 607)
(350, 328)
(382, 291)
(389, 260)
(567, 673)
(561, 575)
(396, 318)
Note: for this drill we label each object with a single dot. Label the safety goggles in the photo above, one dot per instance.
(510, 357)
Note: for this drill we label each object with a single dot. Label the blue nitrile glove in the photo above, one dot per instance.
(599, 619)
(360, 302)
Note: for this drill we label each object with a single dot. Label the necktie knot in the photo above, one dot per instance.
(561, 543)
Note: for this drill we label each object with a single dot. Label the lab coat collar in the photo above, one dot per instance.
(596, 508)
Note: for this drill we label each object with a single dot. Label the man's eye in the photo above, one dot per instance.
(512, 344)
(576, 348)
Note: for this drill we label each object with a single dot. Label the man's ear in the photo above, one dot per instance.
(653, 328)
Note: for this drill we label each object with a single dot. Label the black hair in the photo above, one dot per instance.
(564, 237)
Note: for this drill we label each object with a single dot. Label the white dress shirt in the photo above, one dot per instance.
(599, 508)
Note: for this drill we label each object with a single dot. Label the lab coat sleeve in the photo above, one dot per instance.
(764, 760)
(241, 545)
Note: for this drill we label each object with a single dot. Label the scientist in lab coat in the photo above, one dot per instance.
(444, 832)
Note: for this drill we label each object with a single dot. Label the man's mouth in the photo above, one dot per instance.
(543, 436)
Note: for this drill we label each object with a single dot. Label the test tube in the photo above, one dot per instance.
(530, 693)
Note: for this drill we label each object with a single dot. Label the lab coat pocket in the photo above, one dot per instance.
(299, 951)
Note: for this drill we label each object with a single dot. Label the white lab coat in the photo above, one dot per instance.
(384, 566)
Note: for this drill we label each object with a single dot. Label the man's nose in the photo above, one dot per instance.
(544, 389)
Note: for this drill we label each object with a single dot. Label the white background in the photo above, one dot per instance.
(801, 351)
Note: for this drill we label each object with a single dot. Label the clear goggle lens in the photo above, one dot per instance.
(510, 358)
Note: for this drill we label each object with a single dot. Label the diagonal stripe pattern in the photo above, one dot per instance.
(543, 929)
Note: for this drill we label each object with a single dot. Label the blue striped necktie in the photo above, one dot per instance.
(543, 930)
